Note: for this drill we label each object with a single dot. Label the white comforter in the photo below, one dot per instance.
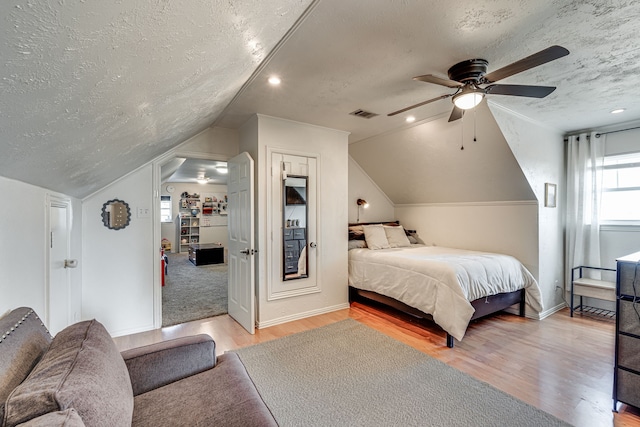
(441, 281)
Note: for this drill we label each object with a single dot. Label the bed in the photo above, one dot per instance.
(449, 286)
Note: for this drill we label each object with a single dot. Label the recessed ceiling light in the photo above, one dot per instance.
(410, 119)
(617, 111)
(274, 80)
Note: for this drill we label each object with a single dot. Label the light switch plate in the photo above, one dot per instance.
(144, 212)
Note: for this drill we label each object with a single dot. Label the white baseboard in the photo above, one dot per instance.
(552, 310)
(132, 331)
(303, 315)
(514, 309)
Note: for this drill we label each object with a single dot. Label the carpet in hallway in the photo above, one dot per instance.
(193, 292)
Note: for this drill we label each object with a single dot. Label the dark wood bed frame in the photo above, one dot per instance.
(483, 306)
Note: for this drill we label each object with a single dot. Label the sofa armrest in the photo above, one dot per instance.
(159, 364)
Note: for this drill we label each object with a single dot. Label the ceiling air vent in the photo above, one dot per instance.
(363, 114)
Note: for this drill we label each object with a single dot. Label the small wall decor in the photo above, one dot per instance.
(550, 195)
(116, 214)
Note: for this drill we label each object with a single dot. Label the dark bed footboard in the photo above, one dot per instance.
(483, 306)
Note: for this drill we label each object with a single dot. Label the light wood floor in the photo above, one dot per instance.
(561, 365)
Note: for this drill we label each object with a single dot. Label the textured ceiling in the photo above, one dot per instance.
(92, 90)
(362, 54)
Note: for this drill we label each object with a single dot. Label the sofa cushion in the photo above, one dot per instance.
(224, 396)
(82, 370)
(68, 418)
(23, 341)
(159, 364)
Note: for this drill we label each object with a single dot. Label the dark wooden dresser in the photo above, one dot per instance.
(294, 242)
(626, 374)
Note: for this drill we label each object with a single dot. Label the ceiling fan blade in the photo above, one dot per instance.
(430, 78)
(542, 57)
(420, 104)
(520, 90)
(456, 114)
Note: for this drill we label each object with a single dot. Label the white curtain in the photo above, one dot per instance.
(585, 158)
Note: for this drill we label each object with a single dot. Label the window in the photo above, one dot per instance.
(621, 189)
(165, 209)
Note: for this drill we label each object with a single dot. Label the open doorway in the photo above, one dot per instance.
(194, 237)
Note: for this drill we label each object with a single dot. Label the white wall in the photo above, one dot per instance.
(262, 132)
(121, 286)
(118, 279)
(423, 162)
(361, 186)
(24, 240)
(540, 153)
(507, 227)
(214, 143)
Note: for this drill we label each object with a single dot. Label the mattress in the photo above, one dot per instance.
(441, 281)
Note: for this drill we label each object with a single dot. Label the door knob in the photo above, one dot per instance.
(70, 263)
(313, 244)
(245, 252)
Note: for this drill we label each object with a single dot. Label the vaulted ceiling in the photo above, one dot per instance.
(92, 90)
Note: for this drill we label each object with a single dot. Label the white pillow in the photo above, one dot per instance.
(375, 236)
(357, 244)
(396, 237)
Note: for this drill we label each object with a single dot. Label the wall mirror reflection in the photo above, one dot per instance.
(116, 214)
(294, 226)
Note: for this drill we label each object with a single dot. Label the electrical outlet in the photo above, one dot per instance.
(558, 287)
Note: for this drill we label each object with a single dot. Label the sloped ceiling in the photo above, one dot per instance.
(426, 162)
(91, 90)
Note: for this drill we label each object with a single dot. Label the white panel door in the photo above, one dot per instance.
(241, 253)
(59, 290)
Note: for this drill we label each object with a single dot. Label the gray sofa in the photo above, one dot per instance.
(78, 378)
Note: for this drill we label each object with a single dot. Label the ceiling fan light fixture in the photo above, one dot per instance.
(466, 100)
(202, 180)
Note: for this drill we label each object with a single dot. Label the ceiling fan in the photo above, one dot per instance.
(468, 76)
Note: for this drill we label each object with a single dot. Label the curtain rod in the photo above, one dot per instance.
(606, 133)
(614, 131)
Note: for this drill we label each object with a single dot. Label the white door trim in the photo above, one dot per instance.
(65, 203)
(157, 225)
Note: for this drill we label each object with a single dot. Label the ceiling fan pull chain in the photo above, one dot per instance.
(462, 127)
(474, 124)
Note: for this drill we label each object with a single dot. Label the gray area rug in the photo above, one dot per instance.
(192, 293)
(347, 374)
